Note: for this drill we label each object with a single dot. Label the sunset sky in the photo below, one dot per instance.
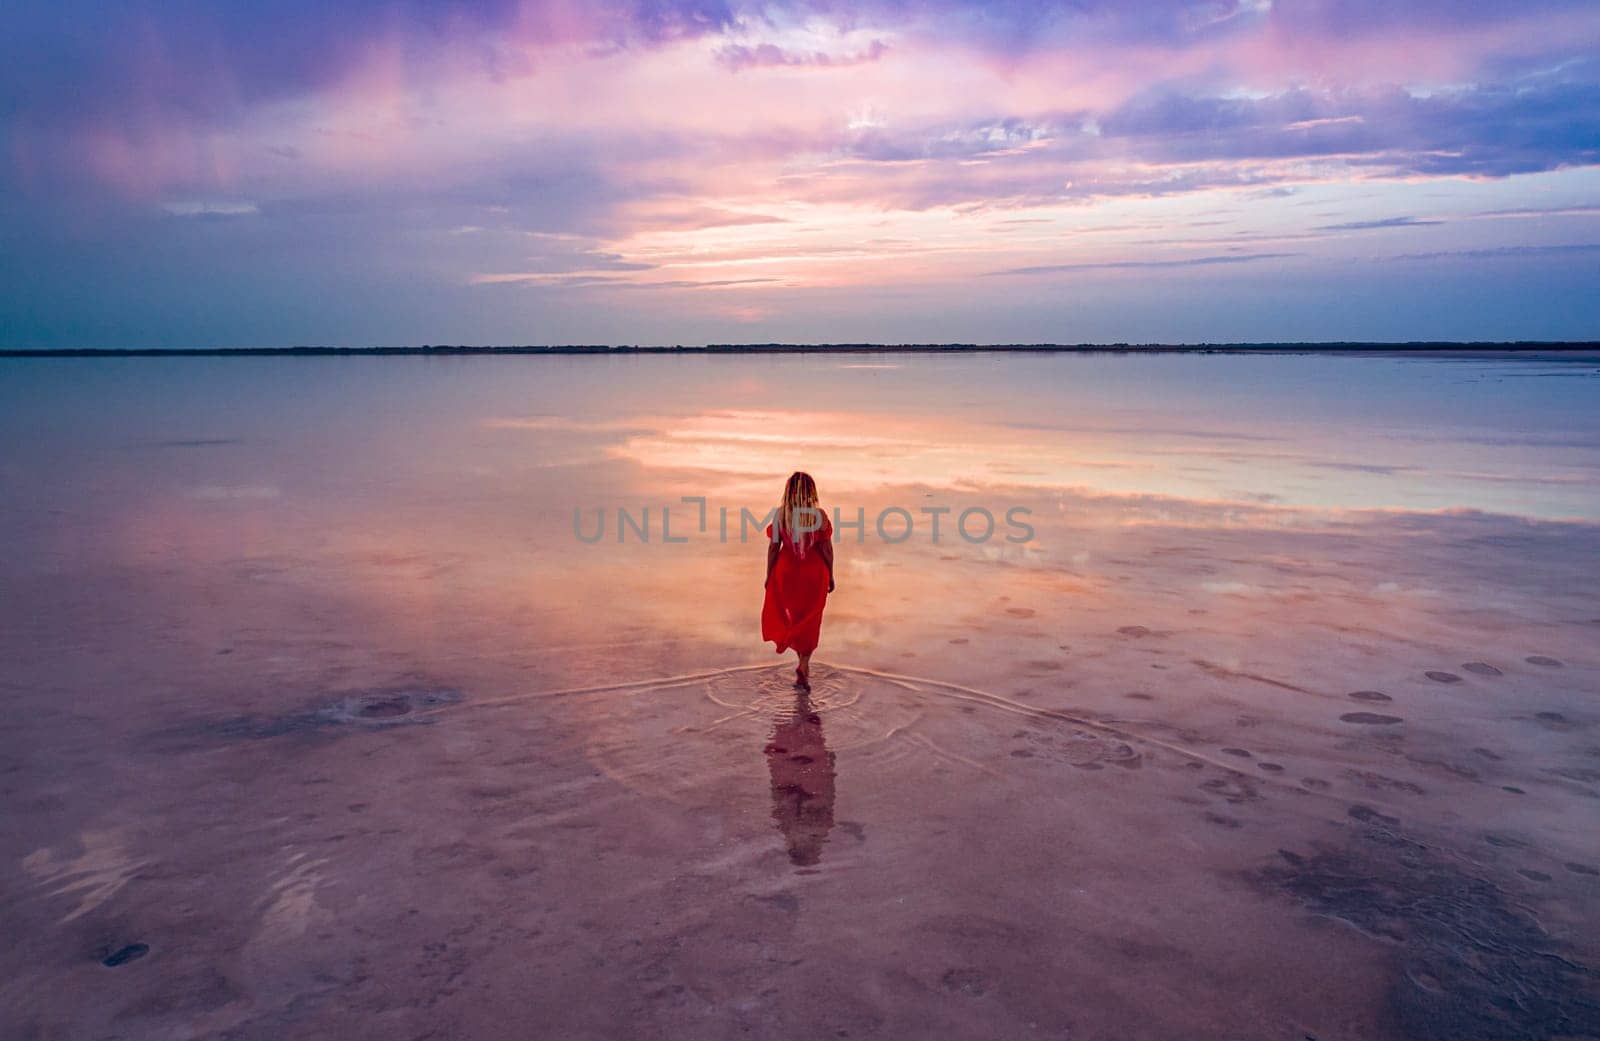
(374, 172)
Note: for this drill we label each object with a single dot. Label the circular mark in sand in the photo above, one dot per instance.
(1134, 631)
(1481, 668)
(1539, 659)
(1370, 719)
(123, 955)
(959, 639)
(1442, 677)
(1020, 612)
(1369, 695)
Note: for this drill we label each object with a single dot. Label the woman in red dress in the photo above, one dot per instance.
(799, 573)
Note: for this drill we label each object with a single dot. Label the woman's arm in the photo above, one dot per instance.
(825, 551)
(772, 558)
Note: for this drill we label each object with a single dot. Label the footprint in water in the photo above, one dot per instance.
(1134, 631)
(1368, 815)
(1582, 869)
(1233, 789)
(1369, 695)
(123, 955)
(969, 982)
(1442, 677)
(1316, 784)
(1371, 719)
(960, 639)
(1020, 612)
(1271, 768)
(385, 707)
(1481, 668)
(1537, 876)
(1539, 659)
(1241, 753)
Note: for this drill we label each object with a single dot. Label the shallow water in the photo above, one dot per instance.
(325, 722)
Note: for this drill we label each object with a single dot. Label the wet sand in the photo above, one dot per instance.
(364, 744)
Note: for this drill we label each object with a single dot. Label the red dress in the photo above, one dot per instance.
(797, 592)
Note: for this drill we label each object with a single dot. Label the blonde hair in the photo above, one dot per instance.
(800, 493)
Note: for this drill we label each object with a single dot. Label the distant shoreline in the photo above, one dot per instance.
(432, 350)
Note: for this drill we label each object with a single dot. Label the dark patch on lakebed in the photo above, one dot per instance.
(1371, 719)
(1470, 963)
(353, 711)
(123, 955)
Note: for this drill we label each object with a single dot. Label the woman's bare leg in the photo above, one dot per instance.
(802, 675)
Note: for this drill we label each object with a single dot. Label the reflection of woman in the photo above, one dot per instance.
(802, 782)
(799, 573)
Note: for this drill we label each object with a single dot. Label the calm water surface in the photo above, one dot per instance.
(324, 722)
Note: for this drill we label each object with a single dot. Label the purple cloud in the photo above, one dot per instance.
(1504, 252)
(1120, 265)
(1495, 130)
(1386, 222)
(738, 56)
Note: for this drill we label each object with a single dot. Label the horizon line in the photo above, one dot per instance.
(1237, 347)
